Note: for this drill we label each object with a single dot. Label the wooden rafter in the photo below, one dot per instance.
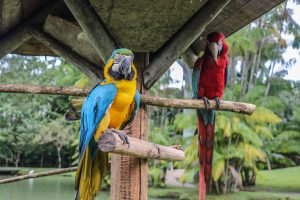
(238, 107)
(176, 45)
(75, 38)
(88, 68)
(93, 27)
(13, 39)
(189, 57)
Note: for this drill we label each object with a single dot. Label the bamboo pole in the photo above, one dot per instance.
(238, 107)
(36, 175)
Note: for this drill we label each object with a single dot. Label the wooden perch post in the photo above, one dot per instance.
(175, 46)
(88, 68)
(93, 27)
(231, 106)
(13, 39)
(111, 142)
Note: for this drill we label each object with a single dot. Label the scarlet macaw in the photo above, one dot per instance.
(210, 77)
(110, 106)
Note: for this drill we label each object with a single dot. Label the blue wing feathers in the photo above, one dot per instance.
(93, 110)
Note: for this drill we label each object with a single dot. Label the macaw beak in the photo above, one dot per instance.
(125, 67)
(213, 48)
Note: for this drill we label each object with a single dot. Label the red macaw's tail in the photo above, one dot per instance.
(206, 124)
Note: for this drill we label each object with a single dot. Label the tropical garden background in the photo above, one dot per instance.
(257, 153)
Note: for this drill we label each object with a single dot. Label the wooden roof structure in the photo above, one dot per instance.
(142, 26)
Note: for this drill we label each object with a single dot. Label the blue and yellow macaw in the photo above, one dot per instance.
(110, 106)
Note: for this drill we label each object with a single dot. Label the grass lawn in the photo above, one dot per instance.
(284, 180)
(271, 185)
(191, 194)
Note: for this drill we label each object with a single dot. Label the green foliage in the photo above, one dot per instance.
(25, 117)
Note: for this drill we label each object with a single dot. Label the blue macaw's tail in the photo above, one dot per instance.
(206, 124)
(91, 169)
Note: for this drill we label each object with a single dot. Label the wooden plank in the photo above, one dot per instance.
(144, 26)
(129, 175)
(238, 107)
(111, 142)
(88, 68)
(74, 38)
(10, 14)
(13, 39)
(93, 27)
(33, 47)
(176, 45)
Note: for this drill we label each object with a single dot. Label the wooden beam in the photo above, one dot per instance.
(176, 45)
(88, 68)
(238, 107)
(74, 38)
(14, 38)
(93, 27)
(189, 57)
(111, 143)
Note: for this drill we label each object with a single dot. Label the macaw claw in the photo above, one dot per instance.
(218, 102)
(122, 136)
(206, 102)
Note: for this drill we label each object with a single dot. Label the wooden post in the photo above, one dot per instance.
(129, 175)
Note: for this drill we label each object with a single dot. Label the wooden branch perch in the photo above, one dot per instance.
(238, 107)
(178, 43)
(111, 142)
(36, 175)
(93, 27)
(13, 39)
(88, 68)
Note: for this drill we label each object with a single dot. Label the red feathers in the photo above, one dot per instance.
(212, 73)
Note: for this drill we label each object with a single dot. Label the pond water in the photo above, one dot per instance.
(45, 188)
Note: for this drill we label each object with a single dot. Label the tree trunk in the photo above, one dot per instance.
(58, 148)
(42, 160)
(270, 76)
(17, 160)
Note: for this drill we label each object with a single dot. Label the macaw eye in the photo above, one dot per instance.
(118, 58)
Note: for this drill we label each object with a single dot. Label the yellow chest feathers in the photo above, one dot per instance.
(121, 109)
